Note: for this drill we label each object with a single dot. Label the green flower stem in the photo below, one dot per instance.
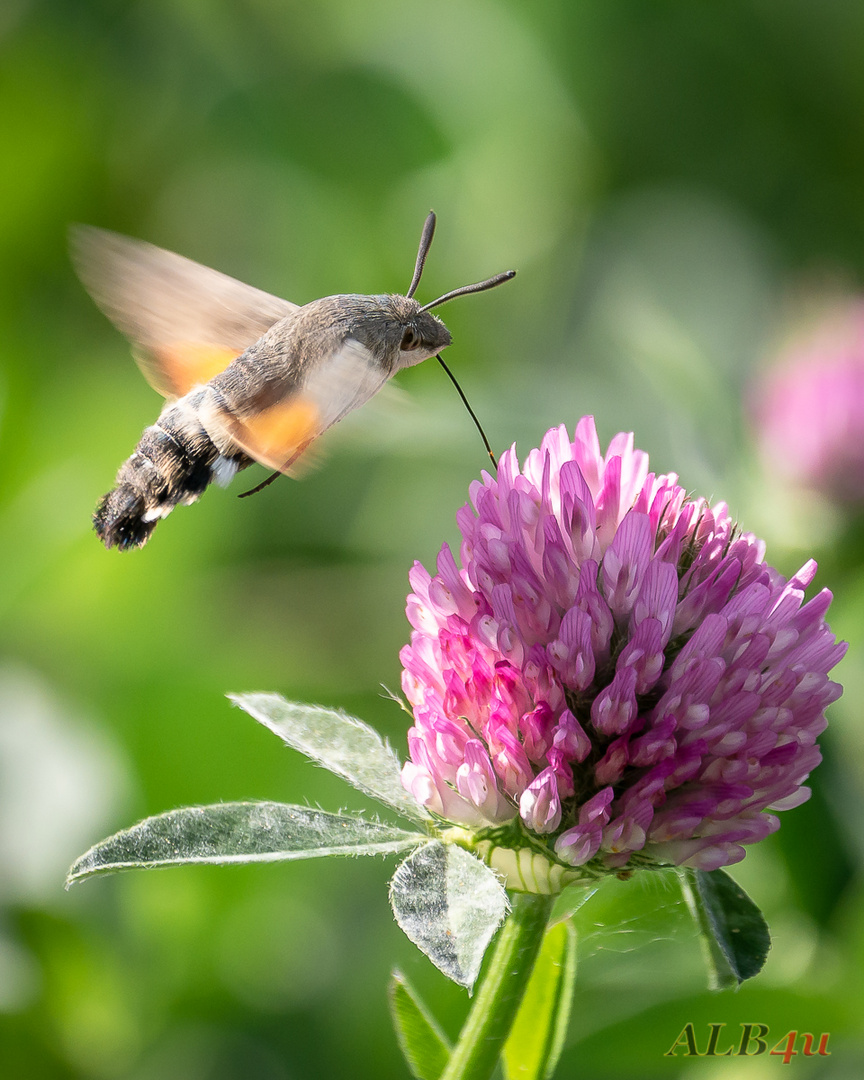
(485, 1031)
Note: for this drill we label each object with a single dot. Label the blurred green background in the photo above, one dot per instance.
(669, 179)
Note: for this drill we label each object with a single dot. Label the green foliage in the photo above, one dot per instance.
(449, 904)
(238, 833)
(424, 1044)
(540, 1028)
(732, 928)
(343, 744)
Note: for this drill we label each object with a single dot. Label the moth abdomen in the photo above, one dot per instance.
(173, 463)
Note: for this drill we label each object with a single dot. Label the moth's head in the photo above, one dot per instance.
(421, 334)
(425, 334)
(395, 329)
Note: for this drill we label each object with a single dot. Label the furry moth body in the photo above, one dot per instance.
(249, 377)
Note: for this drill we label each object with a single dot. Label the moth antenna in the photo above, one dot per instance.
(425, 244)
(471, 412)
(480, 286)
(261, 486)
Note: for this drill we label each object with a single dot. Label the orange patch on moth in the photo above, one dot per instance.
(192, 363)
(277, 433)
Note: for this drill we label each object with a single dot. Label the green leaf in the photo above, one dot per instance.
(239, 832)
(341, 743)
(425, 1046)
(537, 1036)
(569, 901)
(449, 904)
(735, 937)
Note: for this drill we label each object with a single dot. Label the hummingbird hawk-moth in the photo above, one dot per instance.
(248, 376)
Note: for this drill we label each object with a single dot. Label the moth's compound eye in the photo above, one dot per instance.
(409, 340)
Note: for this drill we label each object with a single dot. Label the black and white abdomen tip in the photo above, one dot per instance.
(173, 463)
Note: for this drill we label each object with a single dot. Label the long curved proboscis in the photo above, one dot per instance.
(467, 405)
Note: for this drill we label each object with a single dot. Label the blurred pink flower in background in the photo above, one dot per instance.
(614, 673)
(808, 407)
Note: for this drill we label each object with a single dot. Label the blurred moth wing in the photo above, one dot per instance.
(186, 322)
(316, 391)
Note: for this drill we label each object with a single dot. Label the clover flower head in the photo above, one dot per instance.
(808, 408)
(613, 671)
